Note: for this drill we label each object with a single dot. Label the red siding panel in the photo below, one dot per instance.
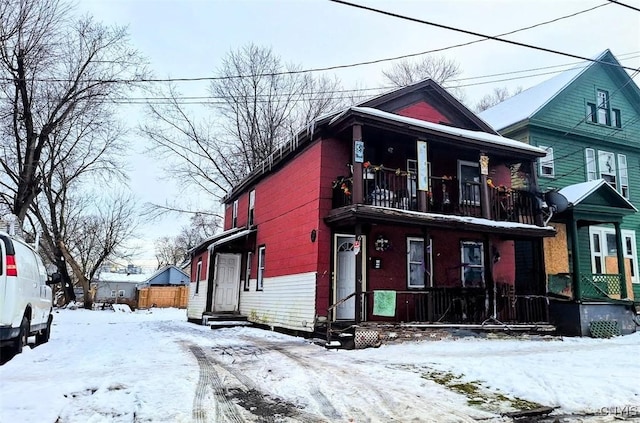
(423, 111)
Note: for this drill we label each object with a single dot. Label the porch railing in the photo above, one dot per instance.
(466, 306)
(397, 189)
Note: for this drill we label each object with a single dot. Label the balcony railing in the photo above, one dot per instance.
(397, 189)
(600, 286)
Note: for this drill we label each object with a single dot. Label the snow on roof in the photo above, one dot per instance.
(524, 105)
(230, 238)
(497, 140)
(578, 192)
(123, 277)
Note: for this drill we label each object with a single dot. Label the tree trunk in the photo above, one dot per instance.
(77, 271)
(65, 279)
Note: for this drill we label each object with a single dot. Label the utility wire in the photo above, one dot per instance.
(624, 5)
(477, 34)
(335, 67)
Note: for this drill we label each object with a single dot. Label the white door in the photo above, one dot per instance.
(227, 282)
(345, 277)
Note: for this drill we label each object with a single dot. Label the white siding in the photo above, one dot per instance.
(197, 303)
(285, 301)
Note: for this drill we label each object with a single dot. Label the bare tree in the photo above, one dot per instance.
(407, 72)
(259, 103)
(53, 68)
(498, 95)
(174, 250)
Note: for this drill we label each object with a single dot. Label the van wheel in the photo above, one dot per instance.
(21, 340)
(43, 337)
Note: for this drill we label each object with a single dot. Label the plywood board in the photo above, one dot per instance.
(611, 266)
(556, 251)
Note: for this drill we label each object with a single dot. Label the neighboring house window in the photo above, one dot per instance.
(591, 112)
(616, 118)
(603, 245)
(547, 163)
(472, 263)
(624, 175)
(113, 293)
(261, 258)
(198, 271)
(469, 177)
(590, 161)
(418, 265)
(247, 271)
(607, 165)
(234, 215)
(121, 293)
(603, 108)
(252, 205)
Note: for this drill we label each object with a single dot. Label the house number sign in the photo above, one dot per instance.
(358, 153)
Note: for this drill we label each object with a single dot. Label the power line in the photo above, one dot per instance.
(624, 5)
(334, 67)
(477, 34)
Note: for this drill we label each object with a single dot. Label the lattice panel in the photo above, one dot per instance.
(366, 338)
(604, 328)
(601, 286)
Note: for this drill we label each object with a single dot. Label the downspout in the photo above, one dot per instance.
(358, 311)
(575, 258)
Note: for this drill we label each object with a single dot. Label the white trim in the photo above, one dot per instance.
(480, 266)
(591, 166)
(602, 232)
(427, 258)
(548, 162)
(334, 282)
(462, 200)
(261, 267)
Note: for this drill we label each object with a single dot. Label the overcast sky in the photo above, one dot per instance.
(188, 38)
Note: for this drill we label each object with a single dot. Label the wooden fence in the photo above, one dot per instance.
(163, 296)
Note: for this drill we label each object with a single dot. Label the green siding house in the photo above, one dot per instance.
(588, 120)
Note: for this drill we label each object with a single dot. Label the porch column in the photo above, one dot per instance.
(484, 188)
(575, 258)
(358, 159)
(358, 234)
(621, 267)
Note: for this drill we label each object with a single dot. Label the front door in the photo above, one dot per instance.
(345, 277)
(227, 282)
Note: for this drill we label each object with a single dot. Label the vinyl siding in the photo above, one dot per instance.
(196, 303)
(285, 301)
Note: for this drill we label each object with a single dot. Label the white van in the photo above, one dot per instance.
(25, 298)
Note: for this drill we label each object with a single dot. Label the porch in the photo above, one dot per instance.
(442, 308)
(396, 189)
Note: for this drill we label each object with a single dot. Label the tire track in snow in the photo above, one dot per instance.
(225, 410)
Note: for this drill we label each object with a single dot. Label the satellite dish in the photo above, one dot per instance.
(556, 201)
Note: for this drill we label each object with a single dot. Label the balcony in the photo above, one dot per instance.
(397, 189)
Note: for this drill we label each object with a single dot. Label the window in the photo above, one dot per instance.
(472, 264)
(590, 161)
(624, 175)
(603, 245)
(607, 166)
(603, 107)
(247, 271)
(234, 215)
(469, 177)
(121, 293)
(113, 293)
(198, 271)
(252, 205)
(615, 117)
(418, 265)
(261, 260)
(546, 162)
(591, 112)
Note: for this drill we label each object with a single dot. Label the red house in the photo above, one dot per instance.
(404, 209)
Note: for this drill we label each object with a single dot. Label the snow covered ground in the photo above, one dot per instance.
(153, 366)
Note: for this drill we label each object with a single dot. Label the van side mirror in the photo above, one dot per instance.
(54, 278)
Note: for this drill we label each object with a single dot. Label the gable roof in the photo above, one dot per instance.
(385, 99)
(526, 104)
(165, 269)
(577, 193)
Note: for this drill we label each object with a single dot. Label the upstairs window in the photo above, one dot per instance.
(546, 163)
(252, 205)
(469, 177)
(590, 164)
(234, 215)
(624, 175)
(591, 112)
(607, 165)
(615, 118)
(603, 108)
